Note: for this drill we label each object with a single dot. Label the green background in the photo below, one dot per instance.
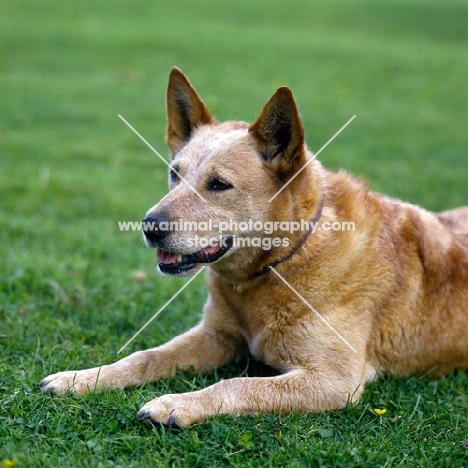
(73, 288)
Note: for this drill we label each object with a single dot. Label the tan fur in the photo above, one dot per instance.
(395, 289)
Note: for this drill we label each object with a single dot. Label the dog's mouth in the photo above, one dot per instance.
(173, 263)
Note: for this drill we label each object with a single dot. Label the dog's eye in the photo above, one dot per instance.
(173, 175)
(218, 185)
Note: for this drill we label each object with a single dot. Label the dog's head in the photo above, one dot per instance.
(222, 179)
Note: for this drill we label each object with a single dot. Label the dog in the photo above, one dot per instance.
(330, 310)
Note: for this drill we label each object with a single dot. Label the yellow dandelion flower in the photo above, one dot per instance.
(9, 463)
(380, 411)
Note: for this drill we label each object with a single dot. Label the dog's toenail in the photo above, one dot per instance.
(143, 415)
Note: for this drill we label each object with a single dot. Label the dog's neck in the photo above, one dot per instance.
(312, 222)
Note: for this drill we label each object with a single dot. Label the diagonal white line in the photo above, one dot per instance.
(312, 158)
(160, 310)
(157, 154)
(313, 310)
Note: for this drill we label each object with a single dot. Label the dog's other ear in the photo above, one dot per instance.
(185, 111)
(278, 129)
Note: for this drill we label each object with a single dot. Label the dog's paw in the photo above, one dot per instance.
(72, 382)
(173, 410)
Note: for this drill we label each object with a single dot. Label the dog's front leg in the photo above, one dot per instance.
(200, 348)
(298, 390)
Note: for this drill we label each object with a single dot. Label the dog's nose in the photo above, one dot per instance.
(155, 227)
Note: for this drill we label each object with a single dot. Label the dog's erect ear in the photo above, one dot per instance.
(278, 129)
(185, 110)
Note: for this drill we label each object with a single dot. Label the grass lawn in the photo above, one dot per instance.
(74, 289)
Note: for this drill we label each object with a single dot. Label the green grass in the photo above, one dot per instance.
(70, 169)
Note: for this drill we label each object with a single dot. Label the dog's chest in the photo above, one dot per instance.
(273, 328)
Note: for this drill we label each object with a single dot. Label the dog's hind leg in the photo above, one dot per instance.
(456, 219)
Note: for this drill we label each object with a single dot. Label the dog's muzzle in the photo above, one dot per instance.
(155, 230)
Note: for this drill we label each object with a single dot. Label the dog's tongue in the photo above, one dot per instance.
(168, 258)
(210, 250)
(165, 257)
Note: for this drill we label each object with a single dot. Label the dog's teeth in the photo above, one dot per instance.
(179, 258)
